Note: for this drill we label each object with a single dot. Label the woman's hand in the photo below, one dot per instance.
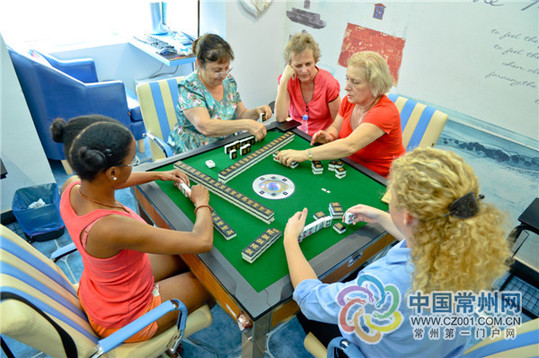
(257, 129)
(199, 195)
(266, 110)
(322, 137)
(175, 175)
(294, 227)
(288, 73)
(286, 157)
(365, 213)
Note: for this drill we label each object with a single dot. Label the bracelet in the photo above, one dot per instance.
(203, 206)
(333, 137)
(309, 154)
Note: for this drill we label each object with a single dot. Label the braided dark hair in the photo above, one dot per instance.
(92, 143)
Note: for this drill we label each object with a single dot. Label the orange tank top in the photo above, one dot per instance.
(116, 290)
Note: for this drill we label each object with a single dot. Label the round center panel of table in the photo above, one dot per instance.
(273, 186)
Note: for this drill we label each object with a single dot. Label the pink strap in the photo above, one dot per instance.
(86, 231)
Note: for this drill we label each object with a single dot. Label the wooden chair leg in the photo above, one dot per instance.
(67, 167)
(140, 144)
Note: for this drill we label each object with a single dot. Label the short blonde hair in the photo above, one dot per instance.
(448, 253)
(375, 69)
(300, 42)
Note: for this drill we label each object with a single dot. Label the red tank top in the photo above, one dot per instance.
(116, 290)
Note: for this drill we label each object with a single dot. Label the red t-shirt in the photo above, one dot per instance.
(378, 155)
(326, 90)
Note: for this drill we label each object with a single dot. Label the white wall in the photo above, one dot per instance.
(256, 42)
(457, 54)
(20, 149)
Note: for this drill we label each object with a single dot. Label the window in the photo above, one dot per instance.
(70, 22)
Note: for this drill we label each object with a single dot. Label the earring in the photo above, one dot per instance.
(114, 178)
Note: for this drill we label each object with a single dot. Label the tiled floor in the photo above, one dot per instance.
(497, 164)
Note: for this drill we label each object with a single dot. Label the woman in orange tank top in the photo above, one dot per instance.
(129, 266)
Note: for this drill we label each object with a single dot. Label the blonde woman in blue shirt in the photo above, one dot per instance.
(209, 104)
(449, 241)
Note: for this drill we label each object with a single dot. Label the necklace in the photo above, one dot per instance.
(115, 205)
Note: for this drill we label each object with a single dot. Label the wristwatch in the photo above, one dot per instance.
(309, 154)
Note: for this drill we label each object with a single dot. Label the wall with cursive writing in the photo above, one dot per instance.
(477, 57)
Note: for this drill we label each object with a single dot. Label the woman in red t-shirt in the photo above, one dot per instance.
(367, 128)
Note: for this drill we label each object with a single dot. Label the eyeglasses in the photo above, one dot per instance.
(133, 163)
(222, 73)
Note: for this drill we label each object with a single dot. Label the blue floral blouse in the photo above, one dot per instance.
(192, 93)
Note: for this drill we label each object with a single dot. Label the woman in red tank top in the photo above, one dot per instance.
(129, 266)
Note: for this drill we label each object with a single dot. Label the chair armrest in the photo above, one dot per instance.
(82, 69)
(165, 148)
(107, 344)
(63, 251)
(345, 346)
(133, 105)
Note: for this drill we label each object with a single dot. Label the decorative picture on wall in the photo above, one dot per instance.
(357, 38)
(305, 17)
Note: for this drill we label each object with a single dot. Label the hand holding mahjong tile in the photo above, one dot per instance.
(363, 213)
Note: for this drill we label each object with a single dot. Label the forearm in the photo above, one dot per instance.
(203, 229)
(282, 102)
(337, 149)
(334, 132)
(249, 114)
(388, 225)
(299, 267)
(137, 178)
(219, 127)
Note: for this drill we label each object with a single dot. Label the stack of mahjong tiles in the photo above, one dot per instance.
(260, 244)
(242, 146)
(348, 219)
(255, 157)
(218, 222)
(227, 193)
(336, 210)
(317, 167)
(221, 226)
(321, 221)
(337, 167)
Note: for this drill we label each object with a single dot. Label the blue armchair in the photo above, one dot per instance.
(66, 89)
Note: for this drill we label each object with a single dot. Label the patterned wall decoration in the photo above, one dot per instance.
(358, 38)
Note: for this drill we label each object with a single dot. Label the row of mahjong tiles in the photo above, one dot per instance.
(218, 222)
(264, 241)
(227, 193)
(260, 244)
(255, 157)
(322, 221)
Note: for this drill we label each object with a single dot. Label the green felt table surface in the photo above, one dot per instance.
(271, 266)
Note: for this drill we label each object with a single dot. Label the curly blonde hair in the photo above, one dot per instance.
(375, 69)
(300, 42)
(449, 253)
